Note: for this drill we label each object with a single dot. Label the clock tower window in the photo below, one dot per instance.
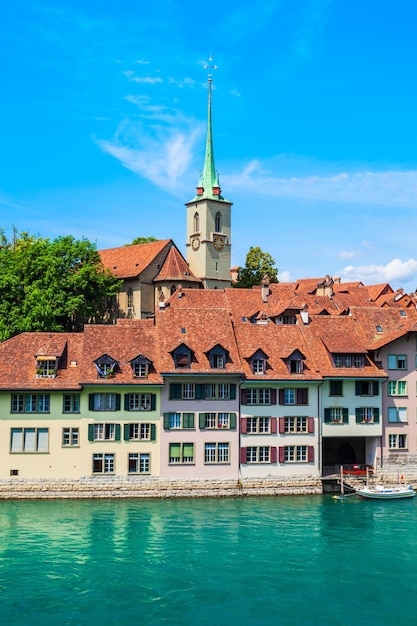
(218, 222)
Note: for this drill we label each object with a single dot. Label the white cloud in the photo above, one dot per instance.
(347, 254)
(284, 277)
(149, 80)
(393, 272)
(389, 188)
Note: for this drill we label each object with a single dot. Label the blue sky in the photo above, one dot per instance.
(103, 119)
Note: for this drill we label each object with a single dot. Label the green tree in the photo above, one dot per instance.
(52, 285)
(141, 240)
(258, 264)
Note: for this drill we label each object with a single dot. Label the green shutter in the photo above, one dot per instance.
(188, 420)
(200, 391)
(126, 432)
(117, 433)
(376, 388)
(233, 420)
(175, 391)
(166, 421)
(376, 416)
(345, 413)
(359, 415)
(153, 432)
(326, 416)
(153, 401)
(91, 431)
(118, 398)
(202, 420)
(91, 401)
(233, 391)
(127, 401)
(358, 388)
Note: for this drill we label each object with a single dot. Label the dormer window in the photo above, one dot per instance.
(289, 319)
(182, 357)
(295, 362)
(217, 357)
(105, 366)
(349, 360)
(258, 366)
(140, 366)
(46, 366)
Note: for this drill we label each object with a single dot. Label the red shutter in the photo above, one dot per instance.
(302, 396)
(311, 424)
(273, 396)
(243, 455)
(273, 425)
(281, 454)
(281, 396)
(310, 457)
(273, 454)
(243, 425)
(281, 425)
(243, 396)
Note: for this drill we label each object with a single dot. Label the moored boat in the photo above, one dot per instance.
(380, 492)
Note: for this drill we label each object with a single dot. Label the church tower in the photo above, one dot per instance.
(209, 223)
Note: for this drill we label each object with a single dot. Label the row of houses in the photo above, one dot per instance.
(285, 380)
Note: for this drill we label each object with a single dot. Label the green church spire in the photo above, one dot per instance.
(208, 185)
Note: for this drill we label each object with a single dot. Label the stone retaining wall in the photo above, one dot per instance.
(128, 487)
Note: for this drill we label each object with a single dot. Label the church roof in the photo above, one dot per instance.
(176, 268)
(130, 261)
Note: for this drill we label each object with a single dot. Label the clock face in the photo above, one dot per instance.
(195, 244)
(218, 242)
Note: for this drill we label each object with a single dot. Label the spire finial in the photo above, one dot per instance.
(209, 66)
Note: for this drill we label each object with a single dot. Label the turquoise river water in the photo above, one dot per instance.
(285, 561)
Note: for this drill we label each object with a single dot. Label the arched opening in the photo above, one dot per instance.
(346, 455)
(218, 222)
(196, 222)
(173, 289)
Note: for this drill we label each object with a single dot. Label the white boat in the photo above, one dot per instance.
(380, 492)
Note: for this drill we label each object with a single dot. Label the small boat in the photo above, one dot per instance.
(379, 492)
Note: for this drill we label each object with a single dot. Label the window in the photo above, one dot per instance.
(216, 421)
(293, 396)
(140, 432)
(46, 368)
(258, 396)
(259, 425)
(296, 366)
(295, 425)
(196, 223)
(105, 366)
(177, 420)
(182, 357)
(140, 402)
(30, 403)
(336, 415)
(130, 298)
(366, 388)
(258, 366)
(397, 387)
(367, 415)
(140, 370)
(216, 453)
(104, 401)
(397, 442)
(181, 453)
(218, 222)
(139, 463)
(202, 391)
(289, 319)
(397, 414)
(349, 360)
(397, 362)
(336, 387)
(218, 361)
(296, 454)
(105, 432)
(103, 463)
(71, 403)
(258, 454)
(29, 440)
(70, 437)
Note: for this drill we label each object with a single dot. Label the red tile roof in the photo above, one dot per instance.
(176, 268)
(130, 261)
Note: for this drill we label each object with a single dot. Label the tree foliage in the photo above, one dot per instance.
(142, 240)
(51, 285)
(258, 264)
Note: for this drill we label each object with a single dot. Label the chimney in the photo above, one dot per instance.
(265, 288)
(304, 314)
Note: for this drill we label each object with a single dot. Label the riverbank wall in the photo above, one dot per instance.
(129, 487)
